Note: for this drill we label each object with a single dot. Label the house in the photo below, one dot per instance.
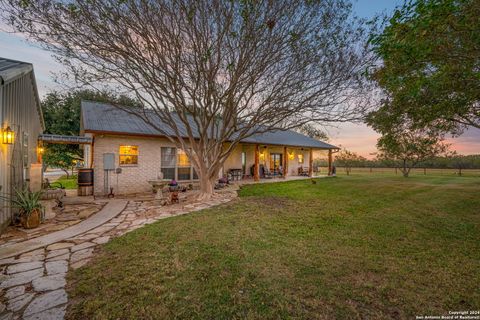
(21, 122)
(140, 153)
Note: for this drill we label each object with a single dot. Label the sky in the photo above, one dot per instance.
(354, 137)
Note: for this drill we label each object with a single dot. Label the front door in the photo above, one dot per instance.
(276, 162)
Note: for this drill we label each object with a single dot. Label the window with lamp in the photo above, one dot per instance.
(300, 158)
(175, 164)
(128, 155)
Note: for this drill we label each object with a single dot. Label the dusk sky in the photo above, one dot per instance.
(354, 137)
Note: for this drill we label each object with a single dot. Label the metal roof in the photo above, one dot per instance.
(56, 138)
(104, 118)
(12, 69)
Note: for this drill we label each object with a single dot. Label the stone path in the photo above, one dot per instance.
(32, 284)
(112, 209)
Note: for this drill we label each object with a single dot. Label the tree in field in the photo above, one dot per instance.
(314, 132)
(349, 159)
(214, 72)
(406, 148)
(430, 72)
(459, 162)
(61, 112)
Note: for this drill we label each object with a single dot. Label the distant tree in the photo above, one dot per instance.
(349, 159)
(213, 72)
(430, 52)
(406, 148)
(314, 132)
(61, 112)
(459, 162)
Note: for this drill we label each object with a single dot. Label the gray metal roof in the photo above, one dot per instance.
(105, 118)
(12, 69)
(56, 138)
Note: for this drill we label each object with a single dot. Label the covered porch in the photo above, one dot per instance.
(269, 161)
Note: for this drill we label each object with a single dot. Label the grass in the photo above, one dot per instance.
(68, 183)
(348, 248)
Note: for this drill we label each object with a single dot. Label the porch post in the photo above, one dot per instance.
(330, 162)
(310, 163)
(255, 169)
(285, 162)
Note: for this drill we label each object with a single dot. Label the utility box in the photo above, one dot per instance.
(108, 161)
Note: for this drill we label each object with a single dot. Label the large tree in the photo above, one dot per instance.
(405, 148)
(430, 52)
(213, 71)
(61, 112)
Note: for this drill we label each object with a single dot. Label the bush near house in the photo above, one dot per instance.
(361, 247)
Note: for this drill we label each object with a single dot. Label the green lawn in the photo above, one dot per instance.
(348, 247)
(70, 183)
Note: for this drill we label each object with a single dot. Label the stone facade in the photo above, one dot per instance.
(134, 178)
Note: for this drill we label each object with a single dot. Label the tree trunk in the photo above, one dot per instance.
(207, 183)
(405, 169)
(66, 172)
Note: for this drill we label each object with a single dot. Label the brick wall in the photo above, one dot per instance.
(134, 178)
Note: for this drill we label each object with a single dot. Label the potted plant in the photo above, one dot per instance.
(30, 207)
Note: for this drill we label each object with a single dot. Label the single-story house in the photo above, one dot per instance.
(21, 123)
(140, 153)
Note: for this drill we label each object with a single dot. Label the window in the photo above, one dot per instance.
(175, 164)
(300, 158)
(168, 162)
(128, 155)
(184, 166)
(182, 159)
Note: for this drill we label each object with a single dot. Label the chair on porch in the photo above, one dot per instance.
(303, 172)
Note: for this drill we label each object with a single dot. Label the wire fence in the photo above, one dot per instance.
(396, 171)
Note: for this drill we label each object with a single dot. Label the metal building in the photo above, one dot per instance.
(21, 123)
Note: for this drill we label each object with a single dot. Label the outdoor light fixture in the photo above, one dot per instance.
(8, 136)
(41, 150)
(291, 156)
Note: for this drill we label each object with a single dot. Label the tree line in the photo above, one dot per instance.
(348, 160)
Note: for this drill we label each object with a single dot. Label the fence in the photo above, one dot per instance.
(394, 171)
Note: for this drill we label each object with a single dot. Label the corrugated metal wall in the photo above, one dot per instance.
(18, 109)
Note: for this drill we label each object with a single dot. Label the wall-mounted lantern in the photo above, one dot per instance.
(291, 155)
(8, 136)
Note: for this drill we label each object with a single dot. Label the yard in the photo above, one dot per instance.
(348, 247)
(68, 183)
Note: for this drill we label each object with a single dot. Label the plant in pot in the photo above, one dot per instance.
(29, 206)
(173, 185)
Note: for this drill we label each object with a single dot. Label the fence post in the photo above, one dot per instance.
(424, 171)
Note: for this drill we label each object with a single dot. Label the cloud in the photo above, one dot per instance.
(12, 46)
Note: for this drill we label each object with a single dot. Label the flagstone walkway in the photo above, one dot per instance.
(32, 279)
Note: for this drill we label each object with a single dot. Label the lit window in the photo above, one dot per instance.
(300, 158)
(128, 155)
(182, 158)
